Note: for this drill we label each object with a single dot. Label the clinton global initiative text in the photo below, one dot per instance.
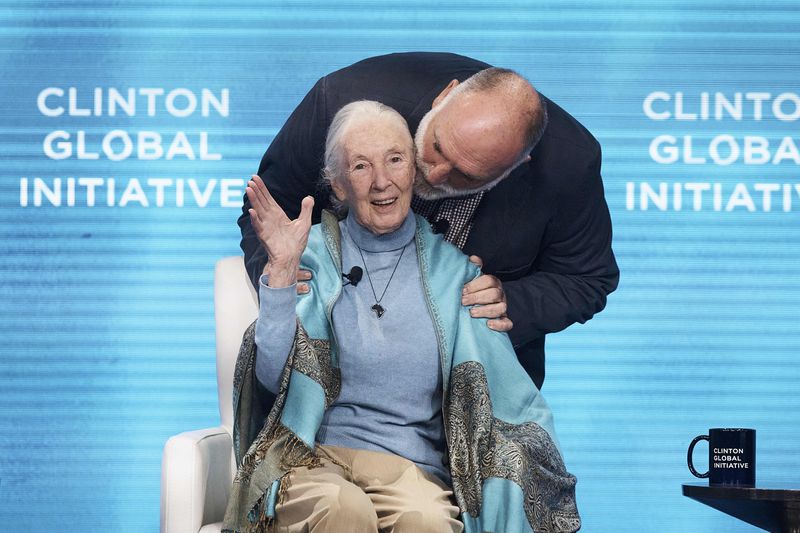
(111, 192)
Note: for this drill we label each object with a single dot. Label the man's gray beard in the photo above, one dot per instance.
(426, 191)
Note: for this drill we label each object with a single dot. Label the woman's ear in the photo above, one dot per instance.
(450, 86)
(338, 190)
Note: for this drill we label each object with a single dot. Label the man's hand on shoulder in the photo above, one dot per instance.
(303, 276)
(486, 294)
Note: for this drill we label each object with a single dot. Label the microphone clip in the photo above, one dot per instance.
(353, 277)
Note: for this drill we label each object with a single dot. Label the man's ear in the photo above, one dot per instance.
(450, 86)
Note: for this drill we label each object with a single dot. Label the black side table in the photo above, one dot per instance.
(775, 508)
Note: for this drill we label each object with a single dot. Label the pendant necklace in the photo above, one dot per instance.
(378, 308)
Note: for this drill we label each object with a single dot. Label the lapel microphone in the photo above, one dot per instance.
(353, 277)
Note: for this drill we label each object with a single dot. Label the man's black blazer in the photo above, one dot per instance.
(545, 231)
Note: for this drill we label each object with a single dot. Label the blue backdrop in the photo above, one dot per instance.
(127, 131)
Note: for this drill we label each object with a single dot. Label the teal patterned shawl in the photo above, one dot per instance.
(506, 466)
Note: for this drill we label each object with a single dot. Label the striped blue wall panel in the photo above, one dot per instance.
(107, 315)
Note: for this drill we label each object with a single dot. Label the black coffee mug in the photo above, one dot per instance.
(731, 456)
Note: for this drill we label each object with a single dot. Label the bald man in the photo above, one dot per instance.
(476, 133)
(504, 173)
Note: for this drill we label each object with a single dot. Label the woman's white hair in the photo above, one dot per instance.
(335, 168)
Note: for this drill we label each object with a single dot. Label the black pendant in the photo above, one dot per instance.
(378, 310)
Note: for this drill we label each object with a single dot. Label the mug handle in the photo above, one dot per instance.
(689, 456)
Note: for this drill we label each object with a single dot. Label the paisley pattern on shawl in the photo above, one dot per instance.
(482, 446)
(272, 450)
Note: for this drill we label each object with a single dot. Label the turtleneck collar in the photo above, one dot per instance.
(369, 242)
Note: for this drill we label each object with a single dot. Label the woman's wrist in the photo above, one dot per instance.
(281, 273)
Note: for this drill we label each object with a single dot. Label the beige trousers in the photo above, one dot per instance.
(359, 491)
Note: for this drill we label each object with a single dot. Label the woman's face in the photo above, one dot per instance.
(378, 173)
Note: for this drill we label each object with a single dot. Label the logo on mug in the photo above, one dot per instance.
(731, 456)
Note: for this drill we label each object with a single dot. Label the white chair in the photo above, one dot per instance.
(197, 468)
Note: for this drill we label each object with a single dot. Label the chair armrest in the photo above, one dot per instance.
(196, 476)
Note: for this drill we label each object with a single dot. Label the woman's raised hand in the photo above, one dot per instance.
(284, 239)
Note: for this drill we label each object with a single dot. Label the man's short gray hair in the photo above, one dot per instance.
(334, 168)
(499, 79)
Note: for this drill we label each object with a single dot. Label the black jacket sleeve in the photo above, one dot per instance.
(575, 269)
(290, 169)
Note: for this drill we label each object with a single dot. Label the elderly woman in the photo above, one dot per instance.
(396, 410)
